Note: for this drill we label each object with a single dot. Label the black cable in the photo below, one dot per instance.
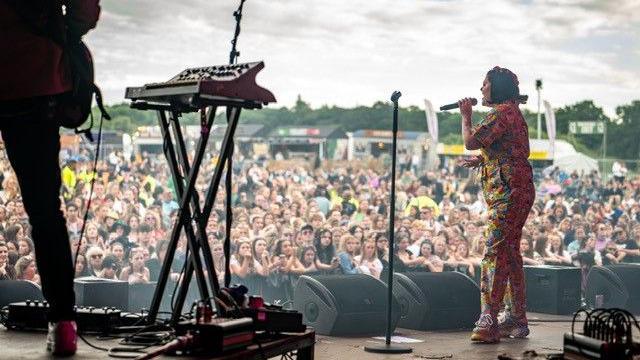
(182, 271)
(112, 352)
(147, 338)
(554, 320)
(133, 345)
(262, 354)
(610, 326)
(90, 344)
(141, 340)
(94, 175)
(144, 330)
(121, 353)
(228, 212)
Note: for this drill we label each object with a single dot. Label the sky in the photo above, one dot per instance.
(357, 52)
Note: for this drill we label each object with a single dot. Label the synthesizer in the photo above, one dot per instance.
(194, 88)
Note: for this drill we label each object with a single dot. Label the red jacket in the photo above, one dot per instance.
(31, 65)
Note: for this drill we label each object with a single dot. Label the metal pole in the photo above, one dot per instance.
(388, 348)
(228, 220)
(604, 148)
(539, 131)
(392, 216)
(604, 140)
(233, 55)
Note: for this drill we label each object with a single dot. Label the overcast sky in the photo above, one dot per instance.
(355, 52)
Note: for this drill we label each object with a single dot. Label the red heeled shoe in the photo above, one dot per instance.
(62, 338)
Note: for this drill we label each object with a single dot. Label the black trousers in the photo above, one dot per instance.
(32, 143)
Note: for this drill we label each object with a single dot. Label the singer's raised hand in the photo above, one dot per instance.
(465, 106)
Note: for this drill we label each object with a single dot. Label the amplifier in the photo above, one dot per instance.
(32, 315)
(553, 289)
(97, 292)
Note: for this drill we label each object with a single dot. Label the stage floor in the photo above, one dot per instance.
(546, 338)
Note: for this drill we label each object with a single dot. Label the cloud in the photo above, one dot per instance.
(357, 52)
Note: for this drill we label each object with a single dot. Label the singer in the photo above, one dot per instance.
(507, 184)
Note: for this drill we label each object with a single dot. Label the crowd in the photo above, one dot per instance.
(290, 221)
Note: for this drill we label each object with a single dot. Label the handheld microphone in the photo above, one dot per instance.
(522, 99)
(454, 105)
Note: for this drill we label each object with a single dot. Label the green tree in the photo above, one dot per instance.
(582, 111)
(623, 134)
(301, 107)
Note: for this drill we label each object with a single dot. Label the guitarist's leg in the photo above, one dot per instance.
(33, 144)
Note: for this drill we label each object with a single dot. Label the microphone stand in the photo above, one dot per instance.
(233, 57)
(387, 348)
(234, 53)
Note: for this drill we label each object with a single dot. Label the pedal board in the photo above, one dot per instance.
(32, 315)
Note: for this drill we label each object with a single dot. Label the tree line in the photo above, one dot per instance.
(623, 130)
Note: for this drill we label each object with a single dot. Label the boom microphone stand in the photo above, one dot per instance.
(233, 57)
(238, 16)
(387, 348)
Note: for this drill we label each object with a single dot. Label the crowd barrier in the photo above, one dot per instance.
(550, 289)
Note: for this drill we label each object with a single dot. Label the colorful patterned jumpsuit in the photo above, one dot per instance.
(507, 183)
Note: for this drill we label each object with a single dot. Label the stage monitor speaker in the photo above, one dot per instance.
(553, 289)
(436, 301)
(18, 290)
(97, 292)
(618, 286)
(344, 304)
(140, 296)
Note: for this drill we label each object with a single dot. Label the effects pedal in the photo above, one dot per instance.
(217, 335)
(32, 315)
(274, 320)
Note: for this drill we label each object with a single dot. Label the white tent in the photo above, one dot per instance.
(576, 162)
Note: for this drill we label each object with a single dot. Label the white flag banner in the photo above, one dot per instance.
(432, 121)
(550, 117)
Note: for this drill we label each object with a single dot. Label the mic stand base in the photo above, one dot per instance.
(388, 349)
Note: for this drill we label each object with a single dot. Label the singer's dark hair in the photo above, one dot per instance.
(504, 85)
